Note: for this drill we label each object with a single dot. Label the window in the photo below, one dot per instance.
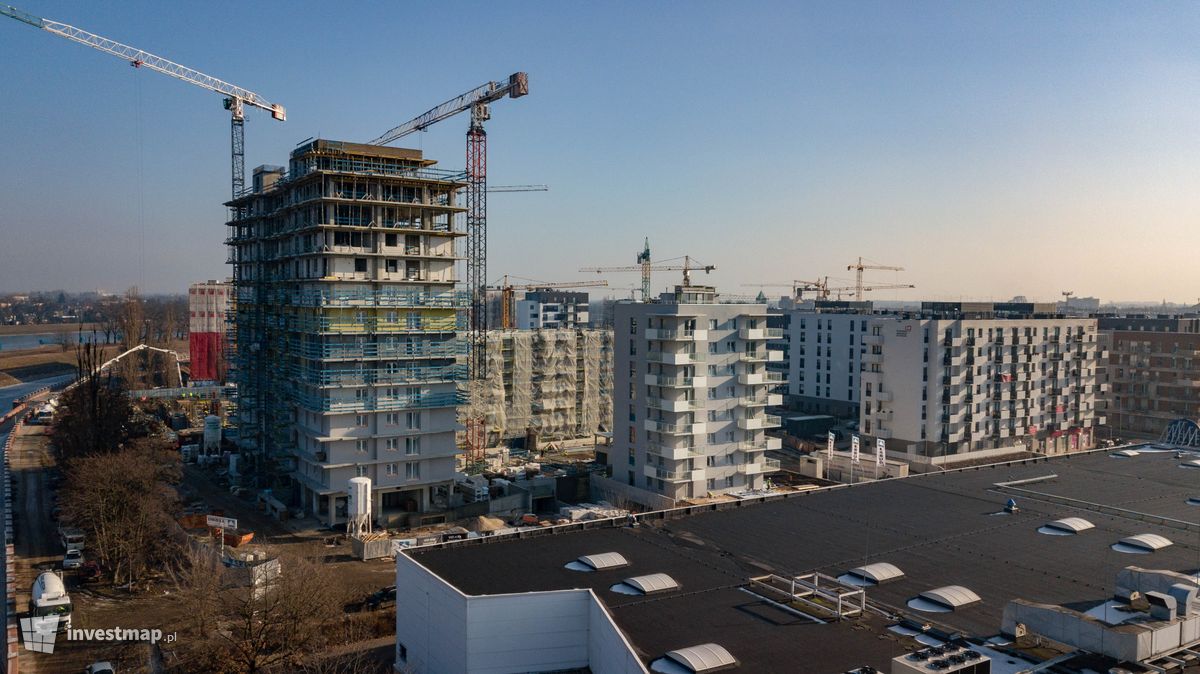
(412, 471)
(412, 445)
(360, 445)
(391, 444)
(392, 265)
(360, 471)
(360, 264)
(341, 238)
(389, 239)
(360, 420)
(413, 420)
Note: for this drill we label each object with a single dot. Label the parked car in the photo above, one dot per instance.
(89, 572)
(384, 597)
(73, 559)
(100, 668)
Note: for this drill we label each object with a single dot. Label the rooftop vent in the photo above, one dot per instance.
(703, 658)
(879, 572)
(1141, 543)
(651, 584)
(1066, 526)
(1124, 454)
(1193, 500)
(600, 562)
(1191, 463)
(944, 599)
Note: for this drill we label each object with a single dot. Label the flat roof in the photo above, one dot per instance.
(942, 529)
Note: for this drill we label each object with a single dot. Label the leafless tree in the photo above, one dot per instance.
(93, 416)
(277, 625)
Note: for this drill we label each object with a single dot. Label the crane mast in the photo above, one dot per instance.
(476, 101)
(645, 267)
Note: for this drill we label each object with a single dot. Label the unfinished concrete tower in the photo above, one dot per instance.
(346, 320)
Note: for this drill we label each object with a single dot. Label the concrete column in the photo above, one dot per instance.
(424, 507)
(377, 506)
(331, 500)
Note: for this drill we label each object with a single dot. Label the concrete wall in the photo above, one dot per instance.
(439, 629)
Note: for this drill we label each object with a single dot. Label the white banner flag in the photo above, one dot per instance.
(854, 449)
(829, 446)
(880, 452)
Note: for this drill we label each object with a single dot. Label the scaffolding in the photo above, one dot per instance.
(552, 384)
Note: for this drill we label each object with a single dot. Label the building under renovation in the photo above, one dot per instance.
(551, 385)
(346, 321)
(208, 304)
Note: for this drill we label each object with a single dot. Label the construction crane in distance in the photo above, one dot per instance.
(860, 289)
(858, 275)
(518, 188)
(798, 287)
(645, 267)
(236, 98)
(477, 101)
(508, 294)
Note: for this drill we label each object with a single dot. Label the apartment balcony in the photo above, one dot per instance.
(870, 377)
(757, 423)
(681, 335)
(676, 382)
(675, 429)
(883, 432)
(881, 415)
(673, 475)
(759, 356)
(754, 334)
(872, 340)
(765, 400)
(674, 405)
(872, 358)
(774, 356)
(675, 357)
(752, 378)
(883, 396)
(674, 453)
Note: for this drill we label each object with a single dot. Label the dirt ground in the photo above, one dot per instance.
(101, 605)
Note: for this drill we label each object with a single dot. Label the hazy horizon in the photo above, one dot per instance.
(992, 149)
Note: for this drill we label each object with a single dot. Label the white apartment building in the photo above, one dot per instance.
(689, 395)
(552, 310)
(958, 377)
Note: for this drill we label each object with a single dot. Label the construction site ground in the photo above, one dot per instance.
(152, 606)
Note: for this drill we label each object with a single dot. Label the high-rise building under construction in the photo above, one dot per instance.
(347, 359)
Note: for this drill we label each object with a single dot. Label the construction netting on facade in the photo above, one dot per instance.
(552, 384)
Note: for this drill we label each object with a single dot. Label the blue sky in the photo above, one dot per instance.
(992, 149)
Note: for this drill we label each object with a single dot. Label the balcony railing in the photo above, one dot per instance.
(680, 335)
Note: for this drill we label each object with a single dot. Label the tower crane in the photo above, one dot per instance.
(477, 101)
(645, 266)
(518, 188)
(860, 289)
(858, 275)
(508, 294)
(236, 98)
(798, 287)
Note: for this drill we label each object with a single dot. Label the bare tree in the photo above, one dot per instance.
(93, 416)
(277, 624)
(123, 502)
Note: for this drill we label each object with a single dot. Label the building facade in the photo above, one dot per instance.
(690, 392)
(551, 310)
(553, 384)
(208, 306)
(347, 318)
(824, 357)
(960, 378)
(1152, 372)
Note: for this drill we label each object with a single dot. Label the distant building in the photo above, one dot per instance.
(208, 305)
(549, 384)
(1152, 372)
(689, 397)
(954, 378)
(1080, 306)
(551, 310)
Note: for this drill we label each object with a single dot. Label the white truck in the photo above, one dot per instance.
(50, 601)
(72, 539)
